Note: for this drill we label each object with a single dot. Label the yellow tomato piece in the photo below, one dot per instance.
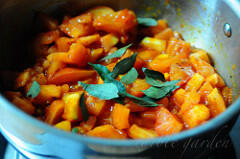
(137, 132)
(107, 131)
(153, 43)
(216, 103)
(72, 111)
(64, 125)
(196, 116)
(120, 116)
(195, 82)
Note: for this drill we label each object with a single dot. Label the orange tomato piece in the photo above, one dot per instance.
(105, 117)
(40, 47)
(23, 78)
(20, 102)
(166, 34)
(162, 63)
(63, 44)
(88, 125)
(196, 116)
(137, 86)
(178, 97)
(54, 67)
(154, 44)
(163, 102)
(100, 11)
(108, 41)
(167, 123)
(40, 78)
(96, 54)
(72, 111)
(78, 55)
(202, 67)
(216, 80)
(95, 105)
(48, 37)
(107, 131)
(147, 55)
(227, 95)
(204, 91)
(54, 112)
(58, 56)
(178, 48)
(137, 132)
(68, 75)
(88, 40)
(47, 93)
(149, 114)
(183, 73)
(195, 82)
(135, 107)
(216, 103)
(119, 22)
(120, 116)
(64, 125)
(201, 54)
(65, 88)
(190, 99)
(52, 49)
(78, 26)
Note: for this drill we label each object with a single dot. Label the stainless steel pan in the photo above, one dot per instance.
(211, 25)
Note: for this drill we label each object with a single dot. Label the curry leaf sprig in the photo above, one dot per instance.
(115, 89)
(122, 67)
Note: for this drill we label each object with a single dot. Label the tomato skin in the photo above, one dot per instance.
(67, 75)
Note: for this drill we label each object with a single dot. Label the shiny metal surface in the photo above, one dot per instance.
(200, 22)
(227, 30)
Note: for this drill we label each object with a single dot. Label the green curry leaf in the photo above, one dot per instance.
(104, 91)
(130, 77)
(142, 101)
(153, 74)
(117, 53)
(147, 21)
(124, 66)
(158, 93)
(83, 108)
(102, 71)
(34, 90)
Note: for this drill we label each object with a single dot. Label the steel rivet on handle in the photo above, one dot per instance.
(227, 30)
